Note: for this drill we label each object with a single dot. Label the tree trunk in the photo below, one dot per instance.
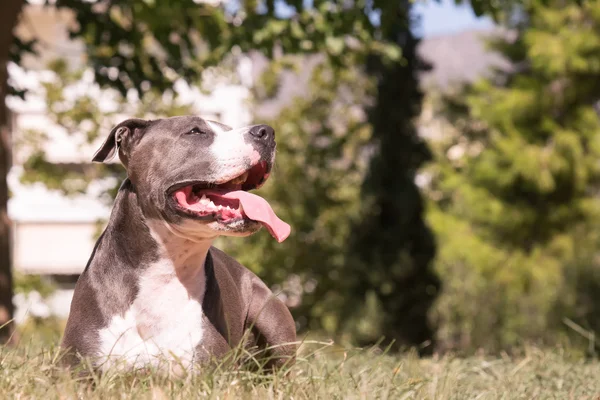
(8, 20)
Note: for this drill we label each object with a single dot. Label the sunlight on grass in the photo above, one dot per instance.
(322, 371)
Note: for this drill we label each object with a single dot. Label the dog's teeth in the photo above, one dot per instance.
(240, 179)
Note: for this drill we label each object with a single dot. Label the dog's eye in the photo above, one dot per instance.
(196, 131)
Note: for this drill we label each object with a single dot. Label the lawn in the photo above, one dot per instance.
(321, 372)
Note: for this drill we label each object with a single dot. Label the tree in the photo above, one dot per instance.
(505, 11)
(8, 20)
(514, 188)
(361, 261)
(391, 246)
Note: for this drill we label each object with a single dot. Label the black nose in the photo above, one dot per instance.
(262, 132)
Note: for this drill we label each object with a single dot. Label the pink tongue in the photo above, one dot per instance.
(256, 208)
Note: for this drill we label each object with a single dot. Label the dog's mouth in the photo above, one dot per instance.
(230, 201)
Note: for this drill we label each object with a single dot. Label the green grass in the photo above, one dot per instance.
(31, 370)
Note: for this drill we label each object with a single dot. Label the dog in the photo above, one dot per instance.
(154, 288)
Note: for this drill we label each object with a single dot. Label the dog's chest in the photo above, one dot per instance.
(164, 324)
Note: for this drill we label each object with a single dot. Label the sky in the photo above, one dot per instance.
(438, 17)
(443, 17)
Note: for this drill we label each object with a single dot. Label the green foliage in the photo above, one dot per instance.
(505, 11)
(358, 263)
(25, 283)
(72, 101)
(145, 46)
(150, 44)
(321, 143)
(514, 188)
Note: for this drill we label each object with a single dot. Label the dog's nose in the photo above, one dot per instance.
(262, 132)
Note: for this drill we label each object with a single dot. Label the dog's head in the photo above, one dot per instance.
(196, 174)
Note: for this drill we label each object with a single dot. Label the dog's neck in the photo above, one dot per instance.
(186, 255)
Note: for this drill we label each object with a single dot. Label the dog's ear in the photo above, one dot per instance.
(120, 138)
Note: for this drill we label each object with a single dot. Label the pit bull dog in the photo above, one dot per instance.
(154, 288)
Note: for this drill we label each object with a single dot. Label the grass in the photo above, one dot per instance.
(322, 371)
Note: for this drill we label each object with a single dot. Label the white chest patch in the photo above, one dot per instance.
(162, 326)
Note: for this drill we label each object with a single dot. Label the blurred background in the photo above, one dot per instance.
(438, 161)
